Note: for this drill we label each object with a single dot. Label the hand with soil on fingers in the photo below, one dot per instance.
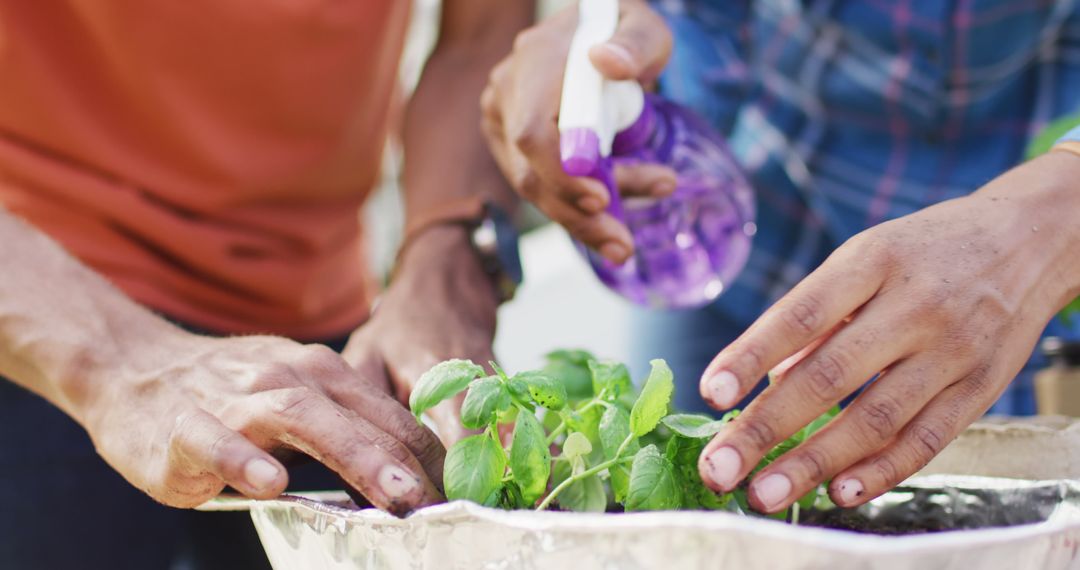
(944, 306)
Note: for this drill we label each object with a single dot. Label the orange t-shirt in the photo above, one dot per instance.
(209, 157)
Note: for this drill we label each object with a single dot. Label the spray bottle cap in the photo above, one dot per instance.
(593, 109)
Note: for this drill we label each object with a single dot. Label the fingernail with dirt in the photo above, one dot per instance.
(723, 389)
(397, 483)
(850, 490)
(723, 467)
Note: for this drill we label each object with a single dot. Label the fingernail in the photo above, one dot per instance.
(723, 389)
(614, 251)
(772, 490)
(260, 474)
(723, 467)
(663, 188)
(590, 204)
(621, 53)
(850, 490)
(397, 482)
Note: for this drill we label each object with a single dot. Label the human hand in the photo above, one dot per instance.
(192, 414)
(945, 304)
(441, 305)
(520, 113)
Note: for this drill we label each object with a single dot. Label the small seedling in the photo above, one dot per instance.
(583, 439)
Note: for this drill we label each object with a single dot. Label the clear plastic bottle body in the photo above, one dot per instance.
(689, 246)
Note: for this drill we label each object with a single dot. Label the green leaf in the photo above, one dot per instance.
(474, 470)
(444, 380)
(1045, 140)
(652, 483)
(1070, 311)
(577, 357)
(487, 398)
(544, 390)
(818, 423)
(530, 458)
(614, 429)
(683, 452)
(576, 445)
(653, 402)
(620, 482)
(571, 367)
(510, 498)
(610, 376)
(693, 425)
(586, 422)
(583, 496)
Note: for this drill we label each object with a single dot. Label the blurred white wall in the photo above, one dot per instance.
(561, 303)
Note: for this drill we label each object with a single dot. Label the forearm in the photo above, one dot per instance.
(446, 157)
(59, 321)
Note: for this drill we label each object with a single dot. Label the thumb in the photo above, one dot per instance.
(640, 47)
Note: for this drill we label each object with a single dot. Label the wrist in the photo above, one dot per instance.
(443, 257)
(1045, 199)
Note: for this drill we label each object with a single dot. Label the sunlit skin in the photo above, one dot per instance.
(180, 415)
(946, 304)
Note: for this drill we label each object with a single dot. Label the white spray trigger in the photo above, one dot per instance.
(590, 102)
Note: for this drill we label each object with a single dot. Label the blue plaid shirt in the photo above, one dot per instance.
(849, 113)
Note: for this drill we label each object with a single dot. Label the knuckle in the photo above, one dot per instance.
(273, 375)
(887, 469)
(528, 141)
(526, 39)
(321, 356)
(934, 304)
(880, 418)
(804, 317)
(814, 463)
(498, 74)
(758, 432)
(488, 105)
(291, 403)
(825, 376)
(528, 183)
(389, 444)
(927, 441)
(977, 383)
(222, 455)
(749, 362)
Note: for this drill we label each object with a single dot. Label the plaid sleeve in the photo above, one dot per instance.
(708, 70)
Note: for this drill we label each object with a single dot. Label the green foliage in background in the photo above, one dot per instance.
(583, 438)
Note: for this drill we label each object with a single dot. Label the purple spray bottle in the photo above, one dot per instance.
(689, 246)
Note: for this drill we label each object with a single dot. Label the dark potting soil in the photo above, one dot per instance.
(854, 521)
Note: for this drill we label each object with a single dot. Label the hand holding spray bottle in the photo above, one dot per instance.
(689, 246)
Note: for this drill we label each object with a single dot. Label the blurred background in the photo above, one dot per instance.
(561, 304)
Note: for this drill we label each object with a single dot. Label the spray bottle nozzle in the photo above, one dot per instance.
(579, 149)
(593, 109)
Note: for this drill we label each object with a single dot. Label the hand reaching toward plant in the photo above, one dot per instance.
(441, 305)
(181, 416)
(944, 306)
(196, 414)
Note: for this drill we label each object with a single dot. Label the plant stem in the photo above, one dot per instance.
(587, 473)
(556, 433)
(562, 427)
